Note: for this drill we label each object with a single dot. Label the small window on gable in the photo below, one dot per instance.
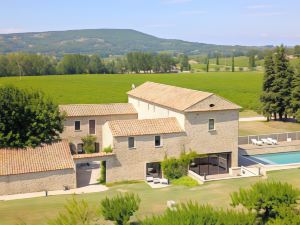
(211, 105)
(211, 124)
(77, 125)
(157, 141)
(131, 142)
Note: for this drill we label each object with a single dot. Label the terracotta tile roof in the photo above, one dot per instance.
(56, 156)
(92, 155)
(98, 109)
(177, 98)
(137, 127)
(167, 95)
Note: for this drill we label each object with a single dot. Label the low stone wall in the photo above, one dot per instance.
(35, 182)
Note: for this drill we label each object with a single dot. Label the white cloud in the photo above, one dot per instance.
(175, 1)
(261, 6)
(266, 14)
(192, 12)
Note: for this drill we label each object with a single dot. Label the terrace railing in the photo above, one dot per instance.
(243, 140)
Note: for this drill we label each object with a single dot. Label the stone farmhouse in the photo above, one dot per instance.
(159, 120)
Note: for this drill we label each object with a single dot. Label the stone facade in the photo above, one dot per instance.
(75, 136)
(35, 182)
(130, 164)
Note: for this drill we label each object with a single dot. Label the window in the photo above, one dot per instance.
(131, 142)
(211, 124)
(77, 125)
(92, 126)
(157, 141)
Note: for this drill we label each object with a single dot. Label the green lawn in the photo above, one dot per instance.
(242, 88)
(36, 211)
(259, 127)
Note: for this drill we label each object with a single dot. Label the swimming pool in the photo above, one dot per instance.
(277, 158)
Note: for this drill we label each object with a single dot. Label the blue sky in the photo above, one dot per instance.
(246, 22)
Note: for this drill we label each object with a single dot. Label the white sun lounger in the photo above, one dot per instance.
(256, 142)
(267, 141)
(273, 141)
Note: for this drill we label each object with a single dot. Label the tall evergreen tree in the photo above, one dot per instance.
(232, 64)
(295, 102)
(282, 83)
(268, 97)
(207, 65)
(217, 60)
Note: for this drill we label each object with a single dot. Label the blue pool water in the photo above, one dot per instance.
(277, 158)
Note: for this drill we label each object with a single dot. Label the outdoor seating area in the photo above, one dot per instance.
(267, 141)
(156, 182)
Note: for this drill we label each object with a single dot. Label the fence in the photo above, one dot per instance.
(278, 136)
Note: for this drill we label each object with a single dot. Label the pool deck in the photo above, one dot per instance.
(284, 146)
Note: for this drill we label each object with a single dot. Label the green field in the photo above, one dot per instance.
(37, 211)
(243, 88)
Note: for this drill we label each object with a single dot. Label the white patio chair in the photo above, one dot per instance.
(149, 179)
(273, 141)
(256, 142)
(266, 141)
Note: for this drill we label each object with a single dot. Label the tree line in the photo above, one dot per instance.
(26, 64)
(281, 87)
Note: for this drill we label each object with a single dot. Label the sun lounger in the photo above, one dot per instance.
(266, 141)
(273, 141)
(256, 142)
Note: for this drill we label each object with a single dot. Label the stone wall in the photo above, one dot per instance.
(130, 164)
(75, 136)
(223, 139)
(35, 182)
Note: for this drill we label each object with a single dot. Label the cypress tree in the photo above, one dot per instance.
(296, 95)
(217, 60)
(282, 84)
(207, 65)
(268, 97)
(232, 64)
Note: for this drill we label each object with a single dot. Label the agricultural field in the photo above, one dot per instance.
(37, 211)
(242, 88)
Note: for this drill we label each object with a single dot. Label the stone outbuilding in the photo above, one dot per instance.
(49, 167)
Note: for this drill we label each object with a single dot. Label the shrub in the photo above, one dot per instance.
(102, 179)
(266, 198)
(76, 213)
(192, 214)
(185, 181)
(89, 143)
(175, 168)
(108, 149)
(120, 208)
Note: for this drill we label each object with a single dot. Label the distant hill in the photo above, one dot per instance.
(104, 42)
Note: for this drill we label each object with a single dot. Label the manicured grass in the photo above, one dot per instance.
(185, 181)
(242, 88)
(248, 113)
(257, 127)
(36, 211)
